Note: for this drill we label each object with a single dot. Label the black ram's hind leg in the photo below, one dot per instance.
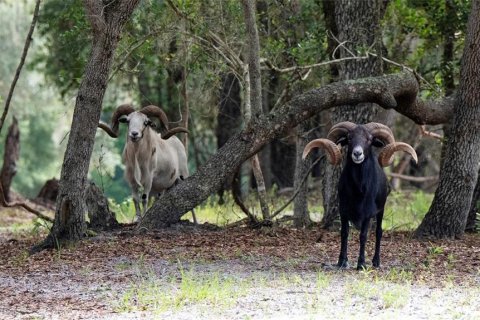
(378, 239)
(342, 259)
(363, 240)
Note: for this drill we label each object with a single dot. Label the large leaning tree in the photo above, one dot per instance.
(107, 19)
(449, 211)
(396, 91)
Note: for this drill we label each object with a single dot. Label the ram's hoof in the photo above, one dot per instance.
(361, 267)
(342, 264)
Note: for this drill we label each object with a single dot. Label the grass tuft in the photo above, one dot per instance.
(183, 290)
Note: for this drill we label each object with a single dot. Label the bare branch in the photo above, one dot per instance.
(424, 132)
(131, 51)
(270, 66)
(412, 178)
(279, 210)
(20, 65)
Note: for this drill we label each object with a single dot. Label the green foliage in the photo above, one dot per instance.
(414, 33)
(405, 211)
(41, 117)
(124, 210)
(38, 155)
(158, 49)
(65, 32)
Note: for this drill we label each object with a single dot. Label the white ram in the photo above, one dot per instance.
(153, 161)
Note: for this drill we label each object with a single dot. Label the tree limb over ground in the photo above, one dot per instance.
(4, 203)
(396, 91)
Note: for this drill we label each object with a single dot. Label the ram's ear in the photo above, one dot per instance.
(343, 141)
(123, 119)
(378, 143)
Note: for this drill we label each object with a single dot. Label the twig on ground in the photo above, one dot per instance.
(24, 205)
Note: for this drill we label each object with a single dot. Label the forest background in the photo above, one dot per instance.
(164, 58)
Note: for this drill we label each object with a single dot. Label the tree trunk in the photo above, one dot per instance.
(449, 47)
(358, 24)
(254, 96)
(49, 192)
(99, 214)
(301, 217)
(474, 208)
(228, 118)
(107, 23)
(11, 154)
(392, 91)
(447, 216)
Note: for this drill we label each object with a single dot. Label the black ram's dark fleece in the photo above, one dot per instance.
(362, 192)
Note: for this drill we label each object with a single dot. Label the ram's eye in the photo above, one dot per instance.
(147, 122)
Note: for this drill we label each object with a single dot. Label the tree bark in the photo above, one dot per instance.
(474, 208)
(107, 22)
(99, 214)
(449, 47)
(358, 24)
(301, 217)
(11, 154)
(396, 91)
(49, 193)
(447, 216)
(228, 119)
(255, 95)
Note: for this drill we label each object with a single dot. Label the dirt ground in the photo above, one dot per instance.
(275, 273)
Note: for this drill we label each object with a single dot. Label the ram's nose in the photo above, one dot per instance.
(134, 135)
(357, 155)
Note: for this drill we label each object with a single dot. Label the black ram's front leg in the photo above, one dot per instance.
(378, 235)
(363, 240)
(342, 259)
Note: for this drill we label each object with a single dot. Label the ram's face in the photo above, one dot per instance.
(359, 142)
(137, 123)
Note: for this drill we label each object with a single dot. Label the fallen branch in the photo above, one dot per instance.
(412, 178)
(24, 205)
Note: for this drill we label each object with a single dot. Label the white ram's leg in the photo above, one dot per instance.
(145, 196)
(136, 203)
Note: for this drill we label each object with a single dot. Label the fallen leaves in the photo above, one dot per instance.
(70, 279)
